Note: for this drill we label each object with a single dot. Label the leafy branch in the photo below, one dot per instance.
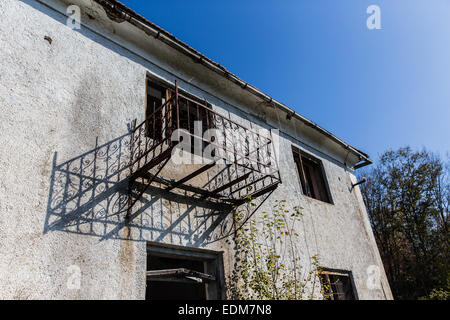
(268, 265)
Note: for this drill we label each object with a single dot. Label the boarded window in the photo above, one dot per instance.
(338, 285)
(178, 273)
(312, 176)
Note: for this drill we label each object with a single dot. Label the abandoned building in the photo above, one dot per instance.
(93, 204)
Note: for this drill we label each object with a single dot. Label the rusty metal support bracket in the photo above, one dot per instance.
(179, 275)
(191, 176)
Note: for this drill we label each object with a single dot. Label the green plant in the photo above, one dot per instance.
(437, 294)
(268, 265)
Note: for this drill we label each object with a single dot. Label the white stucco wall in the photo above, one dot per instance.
(65, 106)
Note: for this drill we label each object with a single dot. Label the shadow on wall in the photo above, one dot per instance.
(88, 196)
(88, 193)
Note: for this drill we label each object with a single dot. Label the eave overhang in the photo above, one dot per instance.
(118, 12)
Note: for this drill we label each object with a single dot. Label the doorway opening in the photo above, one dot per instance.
(181, 273)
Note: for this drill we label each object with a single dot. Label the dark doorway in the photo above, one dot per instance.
(183, 274)
(174, 289)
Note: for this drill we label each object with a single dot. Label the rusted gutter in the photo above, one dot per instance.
(119, 13)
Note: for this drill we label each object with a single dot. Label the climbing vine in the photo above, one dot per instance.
(268, 264)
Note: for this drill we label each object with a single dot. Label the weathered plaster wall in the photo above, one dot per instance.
(65, 108)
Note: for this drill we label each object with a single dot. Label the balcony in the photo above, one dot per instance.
(185, 146)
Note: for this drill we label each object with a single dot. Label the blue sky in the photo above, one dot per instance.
(376, 89)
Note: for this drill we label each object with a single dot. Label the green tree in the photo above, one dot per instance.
(407, 196)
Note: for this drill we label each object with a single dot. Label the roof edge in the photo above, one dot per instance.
(119, 12)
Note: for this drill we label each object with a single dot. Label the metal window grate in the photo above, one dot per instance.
(251, 167)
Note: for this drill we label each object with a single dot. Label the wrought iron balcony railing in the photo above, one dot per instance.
(236, 164)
